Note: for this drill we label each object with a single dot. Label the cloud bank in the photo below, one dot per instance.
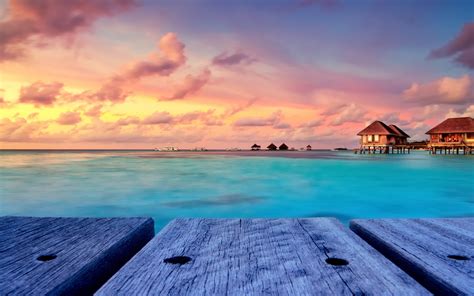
(461, 47)
(46, 19)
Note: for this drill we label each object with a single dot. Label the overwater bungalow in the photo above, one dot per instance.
(272, 147)
(382, 138)
(255, 147)
(452, 136)
(283, 147)
(308, 148)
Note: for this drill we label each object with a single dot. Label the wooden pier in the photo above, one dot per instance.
(438, 253)
(315, 256)
(384, 149)
(66, 256)
(450, 149)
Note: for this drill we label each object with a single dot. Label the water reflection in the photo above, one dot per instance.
(222, 200)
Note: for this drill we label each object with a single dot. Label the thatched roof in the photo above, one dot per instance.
(398, 131)
(283, 147)
(454, 125)
(272, 146)
(380, 128)
(255, 146)
(377, 128)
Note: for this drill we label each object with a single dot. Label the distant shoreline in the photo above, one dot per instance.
(175, 151)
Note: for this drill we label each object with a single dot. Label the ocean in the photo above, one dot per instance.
(166, 185)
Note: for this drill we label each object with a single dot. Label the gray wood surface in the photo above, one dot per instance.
(259, 257)
(88, 252)
(421, 247)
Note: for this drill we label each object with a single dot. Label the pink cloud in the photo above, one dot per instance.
(446, 90)
(191, 85)
(313, 123)
(207, 118)
(159, 118)
(467, 112)
(40, 94)
(69, 118)
(228, 59)
(271, 120)
(282, 125)
(112, 90)
(95, 111)
(163, 63)
(236, 109)
(349, 113)
(28, 19)
(462, 47)
(427, 112)
(334, 109)
(19, 130)
(128, 121)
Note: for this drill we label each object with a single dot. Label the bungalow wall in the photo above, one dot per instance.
(382, 140)
(374, 140)
(452, 138)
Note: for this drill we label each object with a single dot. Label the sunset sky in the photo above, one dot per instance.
(219, 74)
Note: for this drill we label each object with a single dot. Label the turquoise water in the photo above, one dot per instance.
(242, 184)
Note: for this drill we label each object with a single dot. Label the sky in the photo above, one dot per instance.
(140, 74)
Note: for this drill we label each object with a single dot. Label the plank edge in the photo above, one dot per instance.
(416, 271)
(95, 274)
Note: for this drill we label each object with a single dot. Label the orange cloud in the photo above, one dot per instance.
(69, 118)
(40, 94)
(128, 121)
(112, 90)
(19, 130)
(95, 111)
(159, 118)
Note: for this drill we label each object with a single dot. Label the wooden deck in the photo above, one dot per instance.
(82, 256)
(439, 253)
(258, 256)
(66, 256)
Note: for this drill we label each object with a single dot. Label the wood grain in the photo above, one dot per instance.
(84, 252)
(421, 247)
(259, 257)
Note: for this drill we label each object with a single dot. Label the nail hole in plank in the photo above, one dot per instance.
(177, 260)
(45, 258)
(458, 257)
(337, 261)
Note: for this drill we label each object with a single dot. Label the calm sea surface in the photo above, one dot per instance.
(166, 185)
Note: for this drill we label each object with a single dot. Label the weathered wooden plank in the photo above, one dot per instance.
(438, 253)
(256, 257)
(66, 256)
